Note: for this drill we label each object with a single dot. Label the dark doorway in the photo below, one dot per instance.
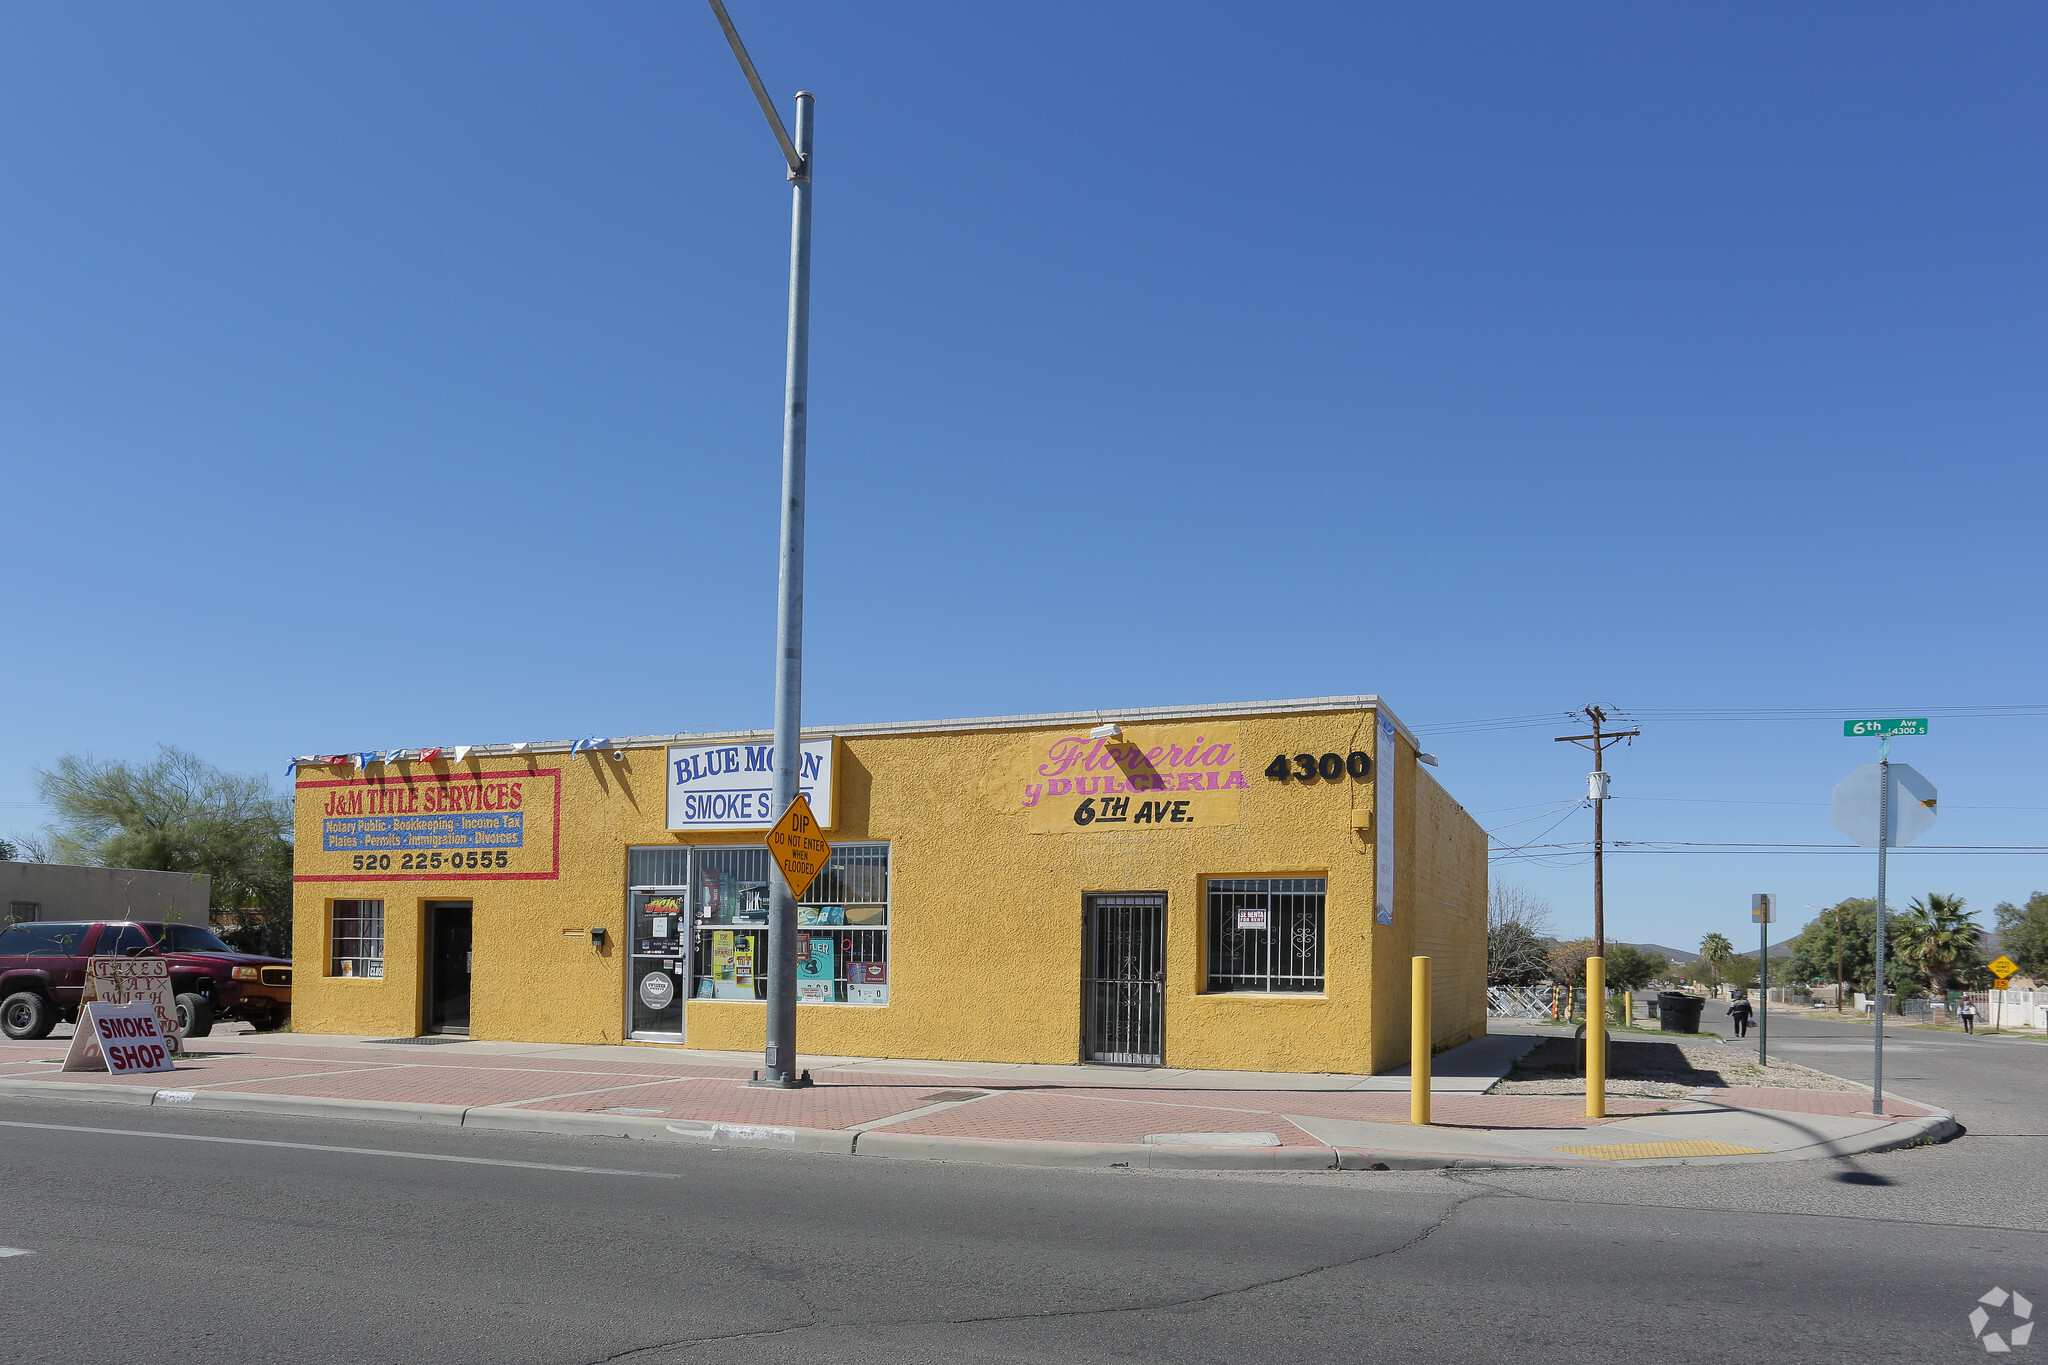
(1123, 979)
(448, 950)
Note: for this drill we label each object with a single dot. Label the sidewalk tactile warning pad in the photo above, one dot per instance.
(1644, 1151)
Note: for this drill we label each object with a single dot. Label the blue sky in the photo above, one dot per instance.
(399, 374)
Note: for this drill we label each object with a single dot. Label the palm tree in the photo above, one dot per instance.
(1936, 936)
(1716, 950)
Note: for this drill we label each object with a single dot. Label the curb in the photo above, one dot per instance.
(1937, 1126)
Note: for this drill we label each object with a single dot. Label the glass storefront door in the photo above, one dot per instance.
(660, 962)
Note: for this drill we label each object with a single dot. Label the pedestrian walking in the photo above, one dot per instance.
(1740, 1012)
(1967, 1012)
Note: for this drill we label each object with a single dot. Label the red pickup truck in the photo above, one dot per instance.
(42, 974)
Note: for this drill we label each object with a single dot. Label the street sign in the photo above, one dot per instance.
(2003, 966)
(797, 847)
(1878, 729)
(1763, 908)
(1912, 806)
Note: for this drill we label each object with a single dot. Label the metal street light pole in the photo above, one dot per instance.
(1884, 807)
(780, 1053)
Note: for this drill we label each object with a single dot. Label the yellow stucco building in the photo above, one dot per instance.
(1238, 886)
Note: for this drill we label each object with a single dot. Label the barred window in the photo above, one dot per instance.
(1266, 933)
(356, 939)
(700, 916)
(842, 927)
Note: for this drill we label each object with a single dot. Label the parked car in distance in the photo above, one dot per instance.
(43, 971)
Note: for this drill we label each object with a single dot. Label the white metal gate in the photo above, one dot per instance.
(1123, 979)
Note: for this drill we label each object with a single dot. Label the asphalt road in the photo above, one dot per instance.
(317, 1241)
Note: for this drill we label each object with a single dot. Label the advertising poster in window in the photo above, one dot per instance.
(815, 968)
(867, 983)
(731, 786)
(466, 826)
(1149, 779)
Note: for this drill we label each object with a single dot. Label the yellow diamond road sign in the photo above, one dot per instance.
(797, 847)
(2002, 966)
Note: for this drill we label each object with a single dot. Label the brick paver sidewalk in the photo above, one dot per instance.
(673, 1085)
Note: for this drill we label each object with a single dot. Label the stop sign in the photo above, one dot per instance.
(1912, 806)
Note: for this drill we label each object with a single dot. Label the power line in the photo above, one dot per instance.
(1769, 713)
(1553, 809)
(1582, 848)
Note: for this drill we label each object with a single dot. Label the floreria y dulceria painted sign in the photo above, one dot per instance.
(1150, 777)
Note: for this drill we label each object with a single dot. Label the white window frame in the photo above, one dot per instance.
(366, 966)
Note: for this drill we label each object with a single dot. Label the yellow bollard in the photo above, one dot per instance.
(1418, 1043)
(1596, 1037)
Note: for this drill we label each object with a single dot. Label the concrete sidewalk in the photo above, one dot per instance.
(1158, 1117)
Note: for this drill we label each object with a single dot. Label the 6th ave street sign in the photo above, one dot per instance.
(1878, 729)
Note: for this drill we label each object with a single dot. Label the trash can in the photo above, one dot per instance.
(1678, 1012)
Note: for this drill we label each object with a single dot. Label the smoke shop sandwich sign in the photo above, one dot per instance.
(1151, 777)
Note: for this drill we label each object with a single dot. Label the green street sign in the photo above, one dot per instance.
(1879, 728)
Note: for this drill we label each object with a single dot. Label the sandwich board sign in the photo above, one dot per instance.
(116, 980)
(121, 1039)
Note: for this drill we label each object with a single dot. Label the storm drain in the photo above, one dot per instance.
(430, 1040)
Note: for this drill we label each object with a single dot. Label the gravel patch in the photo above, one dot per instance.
(1666, 1068)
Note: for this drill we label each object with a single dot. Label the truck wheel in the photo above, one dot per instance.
(195, 1016)
(26, 1016)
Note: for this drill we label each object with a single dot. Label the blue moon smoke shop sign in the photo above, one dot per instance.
(730, 786)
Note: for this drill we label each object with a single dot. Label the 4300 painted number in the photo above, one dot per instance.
(1329, 767)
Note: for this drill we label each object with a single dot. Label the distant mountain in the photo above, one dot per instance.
(1678, 956)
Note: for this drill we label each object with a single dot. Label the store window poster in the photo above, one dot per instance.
(732, 970)
(814, 958)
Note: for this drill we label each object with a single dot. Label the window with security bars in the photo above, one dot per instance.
(1266, 933)
(842, 921)
(356, 939)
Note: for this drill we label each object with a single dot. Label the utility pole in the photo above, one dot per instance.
(1596, 792)
(780, 1053)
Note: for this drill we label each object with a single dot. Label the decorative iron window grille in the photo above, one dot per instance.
(1266, 933)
